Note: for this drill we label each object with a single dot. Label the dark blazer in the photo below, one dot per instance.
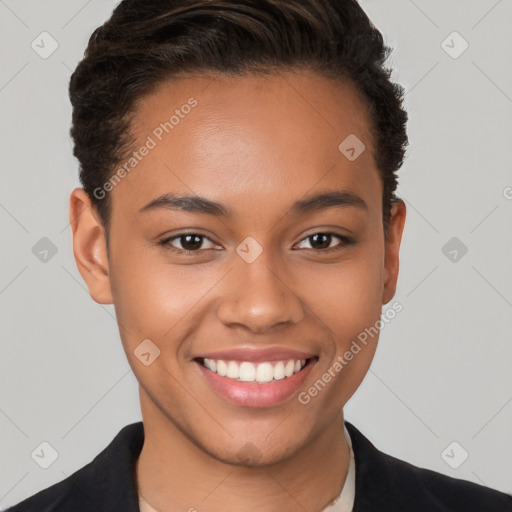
(383, 483)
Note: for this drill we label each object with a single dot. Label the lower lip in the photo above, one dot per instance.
(254, 394)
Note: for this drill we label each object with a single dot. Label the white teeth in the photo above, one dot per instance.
(247, 372)
(289, 368)
(264, 372)
(251, 372)
(222, 367)
(279, 371)
(233, 370)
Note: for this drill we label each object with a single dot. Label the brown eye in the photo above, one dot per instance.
(322, 242)
(186, 242)
(190, 242)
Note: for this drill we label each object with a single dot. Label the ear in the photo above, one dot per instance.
(89, 246)
(392, 248)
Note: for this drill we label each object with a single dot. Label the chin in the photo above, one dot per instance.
(250, 455)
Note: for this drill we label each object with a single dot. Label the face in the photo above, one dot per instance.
(270, 269)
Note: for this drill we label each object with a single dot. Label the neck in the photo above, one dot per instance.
(173, 473)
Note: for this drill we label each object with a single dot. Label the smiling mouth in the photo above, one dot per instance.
(261, 373)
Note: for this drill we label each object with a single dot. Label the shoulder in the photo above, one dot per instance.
(105, 483)
(386, 483)
(60, 496)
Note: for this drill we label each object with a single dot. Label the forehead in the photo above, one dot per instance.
(230, 137)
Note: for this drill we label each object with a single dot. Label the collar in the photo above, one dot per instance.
(345, 501)
(382, 482)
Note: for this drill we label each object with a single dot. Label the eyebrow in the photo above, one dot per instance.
(193, 204)
(197, 204)
(331, 199)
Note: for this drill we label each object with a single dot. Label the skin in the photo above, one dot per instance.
(256, 144)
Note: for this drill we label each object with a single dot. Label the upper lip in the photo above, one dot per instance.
(257, 355)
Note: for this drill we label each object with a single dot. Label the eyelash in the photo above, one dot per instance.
(344, 242)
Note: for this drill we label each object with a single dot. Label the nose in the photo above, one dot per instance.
(259, 296)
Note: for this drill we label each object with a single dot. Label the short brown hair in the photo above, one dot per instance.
(146, 42)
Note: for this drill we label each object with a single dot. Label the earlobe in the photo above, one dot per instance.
(89, 246)
(392, 250)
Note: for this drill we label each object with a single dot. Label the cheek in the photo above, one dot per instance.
(347, 297)
(348, 303)
(152, 296)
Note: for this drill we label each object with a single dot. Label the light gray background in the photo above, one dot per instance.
(442, 372)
